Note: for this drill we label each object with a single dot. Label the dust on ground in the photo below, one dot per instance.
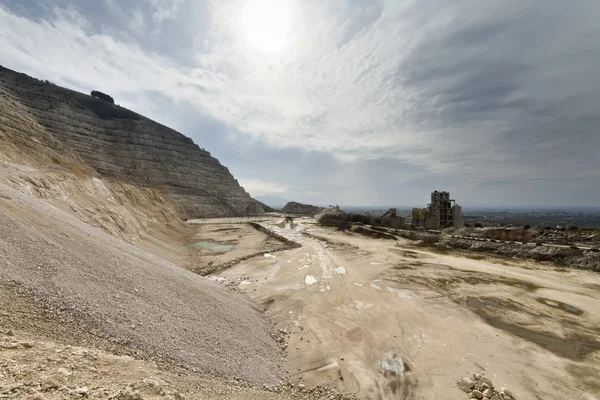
(389, 321)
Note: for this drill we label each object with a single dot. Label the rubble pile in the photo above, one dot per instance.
(481, 388)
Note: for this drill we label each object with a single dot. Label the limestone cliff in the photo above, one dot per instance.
(122, 145)
(34, 162)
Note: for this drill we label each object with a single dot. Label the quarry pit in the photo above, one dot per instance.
(351, 306)
(108, 290)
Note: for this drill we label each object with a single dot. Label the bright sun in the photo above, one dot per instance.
(266, 24)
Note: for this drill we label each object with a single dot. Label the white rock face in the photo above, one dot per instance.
(126, 146)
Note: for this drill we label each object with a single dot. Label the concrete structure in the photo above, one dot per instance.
(442, 212)
(392, 219)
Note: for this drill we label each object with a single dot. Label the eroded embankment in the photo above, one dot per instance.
(85, 277)
(561, 256)
(286, 244)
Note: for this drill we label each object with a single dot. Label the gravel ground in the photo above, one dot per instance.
(115, 291)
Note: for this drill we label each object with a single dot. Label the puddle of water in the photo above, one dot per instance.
(375, 263)
(310, 280)
(340, 270)
(215, 247)
(269, 255)
(440, 266)
(245, 283)
(374, 286)
(563, 306)
(357, 284)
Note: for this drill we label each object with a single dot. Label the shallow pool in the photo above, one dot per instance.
(215, 247)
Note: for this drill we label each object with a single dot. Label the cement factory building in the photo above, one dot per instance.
(442, 212)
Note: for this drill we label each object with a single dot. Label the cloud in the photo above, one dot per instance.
(261, 188)
(164, 10)
(459, 95)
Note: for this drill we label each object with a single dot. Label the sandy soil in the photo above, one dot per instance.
(388, 321)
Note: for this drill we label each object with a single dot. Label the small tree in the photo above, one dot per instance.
(102, 96)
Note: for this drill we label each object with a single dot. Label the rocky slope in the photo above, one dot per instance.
(562, 256)
(84, 277)
(302, 209)
(122, 145)
(34, 162)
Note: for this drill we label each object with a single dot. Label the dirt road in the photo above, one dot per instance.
(384, 320)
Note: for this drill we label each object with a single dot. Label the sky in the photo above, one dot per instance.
(353, 102)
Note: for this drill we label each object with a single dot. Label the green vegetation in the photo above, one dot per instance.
(107, 110)
(102, 96)
(343, 221)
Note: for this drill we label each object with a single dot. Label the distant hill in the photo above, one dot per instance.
(273, 201)
(301, 209)
(266, 207)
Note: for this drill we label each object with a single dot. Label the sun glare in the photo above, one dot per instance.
(266, 24)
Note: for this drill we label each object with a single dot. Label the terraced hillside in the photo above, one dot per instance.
(126, 146)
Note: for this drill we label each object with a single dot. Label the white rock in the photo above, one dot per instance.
(468, 382)
(82, 391)
(64, 371)
(477, 394)
(487, 393)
